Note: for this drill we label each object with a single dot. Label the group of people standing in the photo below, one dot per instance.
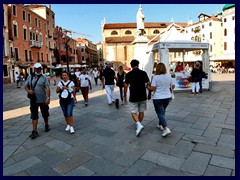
(136, 81)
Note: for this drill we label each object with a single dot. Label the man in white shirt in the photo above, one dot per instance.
(17, 79)
(85, 83)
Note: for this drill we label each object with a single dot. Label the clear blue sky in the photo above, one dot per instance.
(86, 18)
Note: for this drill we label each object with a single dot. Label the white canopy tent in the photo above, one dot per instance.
(174, 41)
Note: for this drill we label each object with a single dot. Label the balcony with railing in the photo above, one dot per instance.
(35, 44)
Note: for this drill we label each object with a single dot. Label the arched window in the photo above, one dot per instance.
(128, 32)
(225, 32)
(225, 46)
(156, 32)
(210, 24)
(114, 33)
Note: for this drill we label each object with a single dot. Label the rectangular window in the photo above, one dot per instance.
(82, 58)
(39, 23)
(233, 18)
(5, 71)
(210, 35)
(47, 58)
(30, 55)
(38, 58)
(26, 55)
(16, 54)
(36, 22)
(29, 18)
(25, 34)
(24, 15)
(15, 34)
(14, 10)
(42, 57)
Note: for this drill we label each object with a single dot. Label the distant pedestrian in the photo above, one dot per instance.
(65, 88)
(73, 77)
(138, 81)
(95, 75)
(85, 84)
(17, 79)
(162, 85)
(54, 78)
(120, 79)
(47, 74)
(38, 89)
(100, 70)
(108, 82)
(21, 78)
(200, 77)
(196, 75)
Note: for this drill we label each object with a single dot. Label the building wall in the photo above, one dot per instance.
(229, 25)
(32, 48)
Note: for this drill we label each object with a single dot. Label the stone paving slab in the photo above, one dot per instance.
(104, 144)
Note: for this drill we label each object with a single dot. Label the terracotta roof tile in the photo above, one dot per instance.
(147, 25)
(126, 39)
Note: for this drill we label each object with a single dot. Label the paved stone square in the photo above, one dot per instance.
(202, 142)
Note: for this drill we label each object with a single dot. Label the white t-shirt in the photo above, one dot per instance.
(65, 93)
(162, 83)
(84, 78)
(16, 77)
(95, 73)
(77, 73)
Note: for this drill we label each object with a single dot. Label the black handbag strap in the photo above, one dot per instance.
(32, 88)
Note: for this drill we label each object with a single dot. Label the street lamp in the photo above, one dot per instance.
(67, 39)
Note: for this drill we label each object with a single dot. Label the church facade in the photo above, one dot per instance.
(118, 39)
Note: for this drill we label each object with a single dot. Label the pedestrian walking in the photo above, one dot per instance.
(54, 78)
(17, 79)
(95, 75)
(108, 82)
(162, 85)
(21, 78)
(138, 81)
(38, 90)
(65, 88)
(100, 70)
(47, 74)
(85, 84)
(120, 79)
(73, 77)
(196, 76)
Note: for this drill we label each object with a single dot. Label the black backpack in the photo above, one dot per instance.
(68, 98)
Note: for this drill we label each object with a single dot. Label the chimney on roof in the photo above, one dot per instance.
(49, 6)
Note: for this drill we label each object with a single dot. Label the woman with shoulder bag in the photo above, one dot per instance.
(162, 84)
(64, 88)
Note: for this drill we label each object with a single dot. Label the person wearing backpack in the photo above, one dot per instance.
(66, 88)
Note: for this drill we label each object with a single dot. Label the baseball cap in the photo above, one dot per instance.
(37, 65)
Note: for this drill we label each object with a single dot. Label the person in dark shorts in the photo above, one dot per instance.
(38, 84)
(138, 81)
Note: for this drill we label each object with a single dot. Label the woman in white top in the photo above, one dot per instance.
(64, 87)
(161, 84)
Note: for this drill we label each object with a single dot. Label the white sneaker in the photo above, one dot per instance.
(139, 129)
(67, 128)
(166, 132)
(72, 130)
(160, 127)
